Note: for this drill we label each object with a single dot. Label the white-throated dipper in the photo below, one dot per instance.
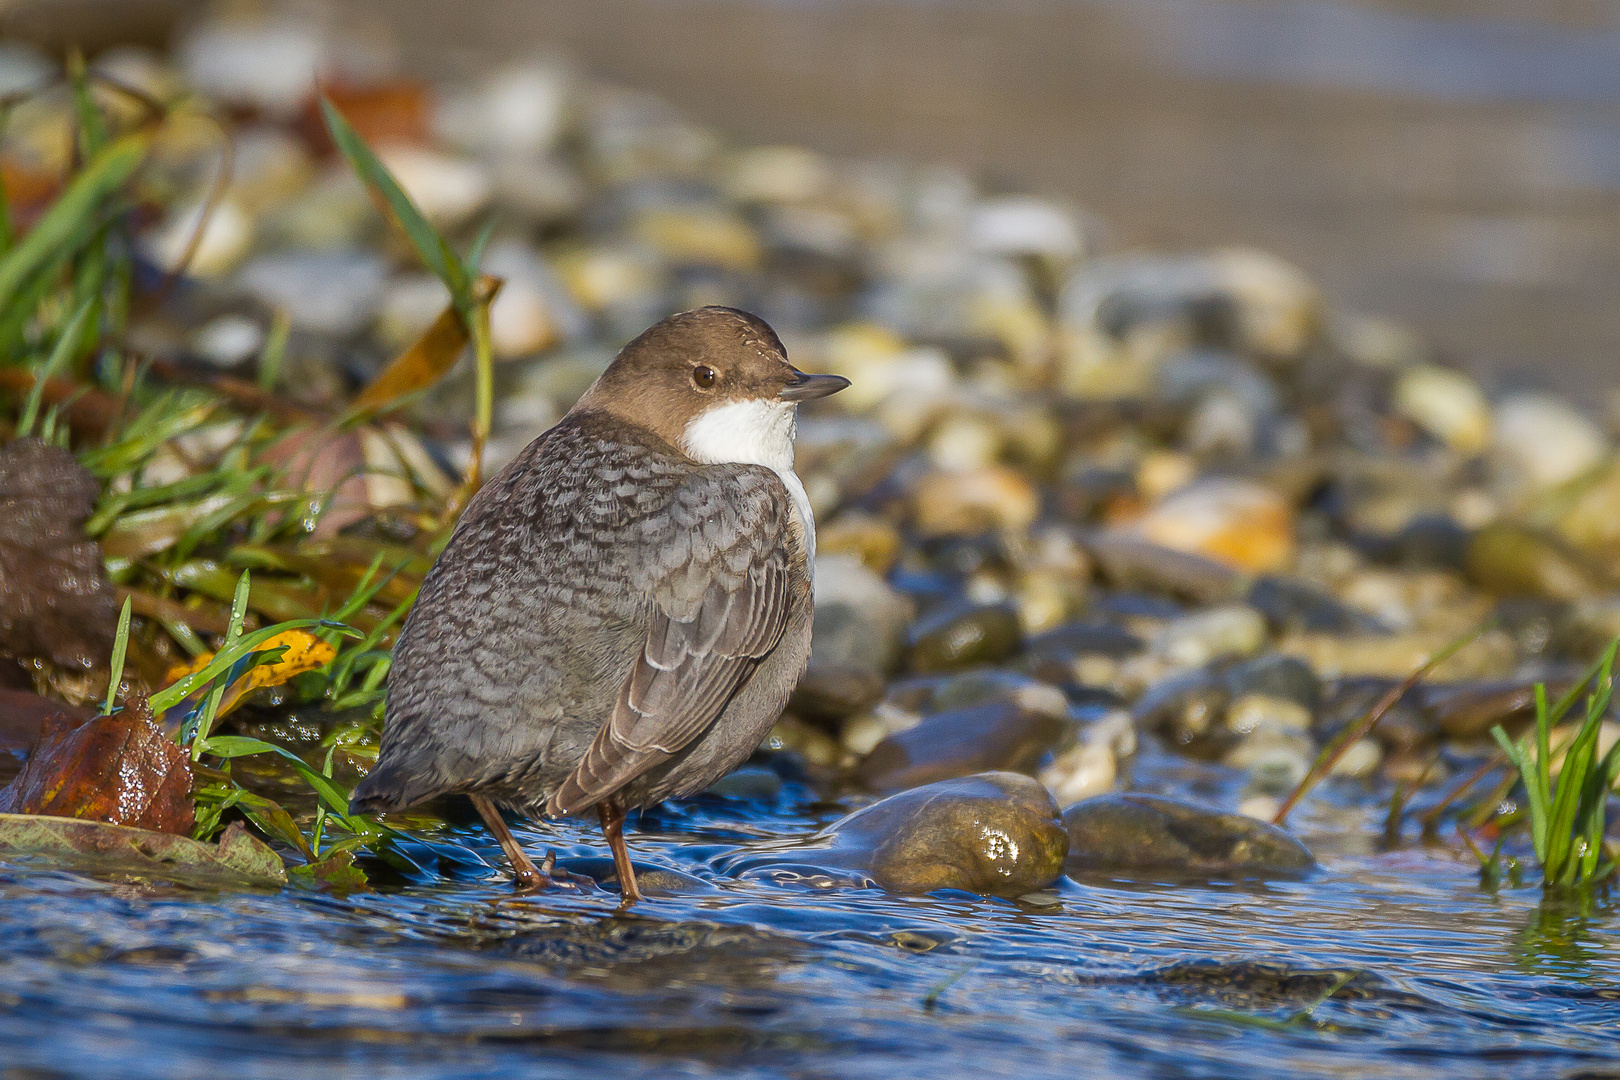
(622, 612)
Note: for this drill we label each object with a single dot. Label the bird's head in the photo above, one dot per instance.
(714, 382)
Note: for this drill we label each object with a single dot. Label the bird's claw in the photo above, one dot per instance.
(547, 876)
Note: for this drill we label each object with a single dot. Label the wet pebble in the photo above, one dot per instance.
(1135, 831)
(961, 634)
(993, 833)
(995, 736)
(1234, 521)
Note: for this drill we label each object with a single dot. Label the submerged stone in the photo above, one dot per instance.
(995, 832)
(1134, 831)
(640, 953)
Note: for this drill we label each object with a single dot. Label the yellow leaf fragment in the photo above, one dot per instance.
(305, 652)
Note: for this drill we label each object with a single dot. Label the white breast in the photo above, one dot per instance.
(757, 432)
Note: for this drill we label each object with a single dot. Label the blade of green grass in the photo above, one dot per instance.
(120, 650)
(76, 206)
(205, 722)
(275, 350)
(429, 245)
(92, 128)
(54, 364)
(1567, 813)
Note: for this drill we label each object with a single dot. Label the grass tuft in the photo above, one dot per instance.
(1568, 811)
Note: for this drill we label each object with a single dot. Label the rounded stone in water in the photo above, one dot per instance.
(995, 833)
(1135, 831)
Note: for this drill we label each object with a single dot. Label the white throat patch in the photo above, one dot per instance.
(754, 432)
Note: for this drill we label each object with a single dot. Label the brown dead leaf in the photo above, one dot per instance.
(89, 412)
(326, 461)
(396, 111)
(118, 769)
(426, 361)
(55, 599)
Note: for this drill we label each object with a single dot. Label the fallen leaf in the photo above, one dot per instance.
(336, 873)
(238, 859)
(305, 652)
(89, 412)
(118, 769)
(427, 361)
(329, 463)
(55, 599)
(396, 111)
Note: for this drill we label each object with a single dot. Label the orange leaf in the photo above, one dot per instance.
(426, 361)
(119, 769)
(305, 652)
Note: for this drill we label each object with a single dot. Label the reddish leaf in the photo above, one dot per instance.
(89, 412)
(335, 873)
(29, 192)
(55, 599)
(118, 769)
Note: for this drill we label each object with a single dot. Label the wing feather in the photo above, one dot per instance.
(718, 604)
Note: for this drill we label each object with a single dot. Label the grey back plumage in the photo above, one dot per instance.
(601, 602)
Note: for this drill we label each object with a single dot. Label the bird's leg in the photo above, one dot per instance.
(611, 811)
(525, 875)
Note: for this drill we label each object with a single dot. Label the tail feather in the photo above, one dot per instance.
(385, 789)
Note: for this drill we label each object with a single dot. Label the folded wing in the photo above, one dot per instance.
(718, 588)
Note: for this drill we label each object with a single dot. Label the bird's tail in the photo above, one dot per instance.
(382, 790)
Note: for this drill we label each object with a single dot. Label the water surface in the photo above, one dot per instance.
(772, 972)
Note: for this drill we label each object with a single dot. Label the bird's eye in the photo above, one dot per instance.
(703, 377)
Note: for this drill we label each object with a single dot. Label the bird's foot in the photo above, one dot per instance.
(533, 879)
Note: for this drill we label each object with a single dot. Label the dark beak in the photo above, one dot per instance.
(809, 387)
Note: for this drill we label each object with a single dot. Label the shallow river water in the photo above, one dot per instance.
(1393, 964)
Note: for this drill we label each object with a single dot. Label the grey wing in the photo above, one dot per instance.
(719, 603)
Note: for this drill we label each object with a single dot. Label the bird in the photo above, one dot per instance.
(622, 611)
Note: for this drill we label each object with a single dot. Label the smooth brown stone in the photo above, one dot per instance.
(995, 833)
(994, 736)
(1134, 831)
